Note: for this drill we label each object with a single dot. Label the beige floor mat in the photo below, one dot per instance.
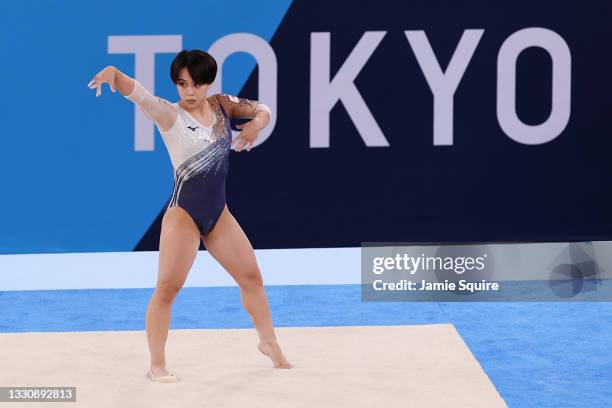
(369, 366)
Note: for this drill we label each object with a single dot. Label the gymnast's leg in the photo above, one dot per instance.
(178, 247)
(229, 245)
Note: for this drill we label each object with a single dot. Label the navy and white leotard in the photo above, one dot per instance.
(199, 154)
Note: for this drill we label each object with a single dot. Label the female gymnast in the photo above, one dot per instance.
(197, 134)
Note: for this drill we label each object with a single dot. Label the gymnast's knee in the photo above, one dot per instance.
(251, 279)
(166, 292)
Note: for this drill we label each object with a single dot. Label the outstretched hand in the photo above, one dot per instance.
(107, 75)
(247, 136)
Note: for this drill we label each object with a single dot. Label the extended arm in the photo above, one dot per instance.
(155, 108)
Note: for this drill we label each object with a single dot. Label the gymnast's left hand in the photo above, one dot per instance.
(248, 135)
(107, 75)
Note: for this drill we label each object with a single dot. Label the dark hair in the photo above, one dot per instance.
(201, 66)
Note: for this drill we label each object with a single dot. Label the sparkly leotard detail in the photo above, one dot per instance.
(211, 143)
(199, 153)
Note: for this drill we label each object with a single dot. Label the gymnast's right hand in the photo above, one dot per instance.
(107, 75)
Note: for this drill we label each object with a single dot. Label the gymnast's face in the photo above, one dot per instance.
(192, 94)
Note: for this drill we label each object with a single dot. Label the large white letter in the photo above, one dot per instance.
(144, 47)
(268, 71)
(561, 85)
(443, 84)
(325, 94)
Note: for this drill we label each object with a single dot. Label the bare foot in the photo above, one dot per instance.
(159, 371)
(160, 374)
(272, 350)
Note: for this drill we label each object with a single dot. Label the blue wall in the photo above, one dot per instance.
(72, 180)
